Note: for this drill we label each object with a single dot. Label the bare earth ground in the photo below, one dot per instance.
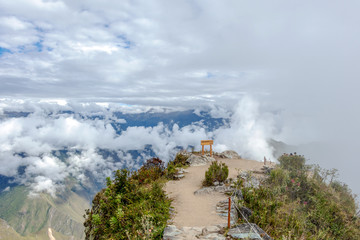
(200, 210)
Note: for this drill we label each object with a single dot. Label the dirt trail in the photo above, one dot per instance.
(200, 210)
(51, 237)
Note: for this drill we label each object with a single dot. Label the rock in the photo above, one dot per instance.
(181, 170)
(212, 229)
(210, 159)
(185, 153)
(248, 231)
(267, 169)
(179, 173)
(238, 194)
(209, 190)
(243, 175)
(178, 176)
(245, 212)
(222, 209)
(249, 181)
(229, 154)
(196, 160)
(189, 229)
(170, 232)
(252, 182)
(214, 236)
(205, 190)
(208, 232)
(216, 183)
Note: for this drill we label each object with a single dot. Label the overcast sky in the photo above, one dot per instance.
(176, 52)
(298, 59)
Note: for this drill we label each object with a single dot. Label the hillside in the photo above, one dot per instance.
(290, 200)
(30, 217)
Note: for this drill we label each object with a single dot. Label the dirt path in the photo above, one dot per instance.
(200, 210)
(51, 237)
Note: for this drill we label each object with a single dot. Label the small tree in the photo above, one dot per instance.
(217, 172)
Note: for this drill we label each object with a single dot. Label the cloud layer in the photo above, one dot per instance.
(299, 60)
(37, 142)
(171, 53)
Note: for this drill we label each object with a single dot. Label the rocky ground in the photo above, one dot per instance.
(201, 213)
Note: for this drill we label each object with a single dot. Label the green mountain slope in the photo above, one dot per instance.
(8, 233)
(32, 216)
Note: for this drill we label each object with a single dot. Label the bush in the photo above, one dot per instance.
(217, 172)
(292, 162)
(129, 209)
(152, 170)
(294, 203)
(178, 162)
(171, 172)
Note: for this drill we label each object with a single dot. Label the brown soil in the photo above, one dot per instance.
(200, 210)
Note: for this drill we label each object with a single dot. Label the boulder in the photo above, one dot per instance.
(245, 212)
(170, 232)
(209, 190)
(209, 232)
(179, 176)
(229, 154)
(248, 231)
(196, 160)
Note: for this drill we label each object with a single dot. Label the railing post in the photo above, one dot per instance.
(229, 210)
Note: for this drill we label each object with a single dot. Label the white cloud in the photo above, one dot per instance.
(248, 133)
(296, 58)
(47, 130)
(43, 184)
(13, 23)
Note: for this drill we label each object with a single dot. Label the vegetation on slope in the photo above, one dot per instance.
(302, 202)
(8, 233)
(31, 216)
(133, 206)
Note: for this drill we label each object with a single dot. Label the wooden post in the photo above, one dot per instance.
(229, 210)
(207, 142)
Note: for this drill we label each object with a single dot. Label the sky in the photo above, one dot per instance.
(290, 65)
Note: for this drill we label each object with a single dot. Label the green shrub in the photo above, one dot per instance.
(152, 170)
(129, 209)
(217, 172)
(171, 172)
(292, 162)
(294, 203)
(180, 160)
